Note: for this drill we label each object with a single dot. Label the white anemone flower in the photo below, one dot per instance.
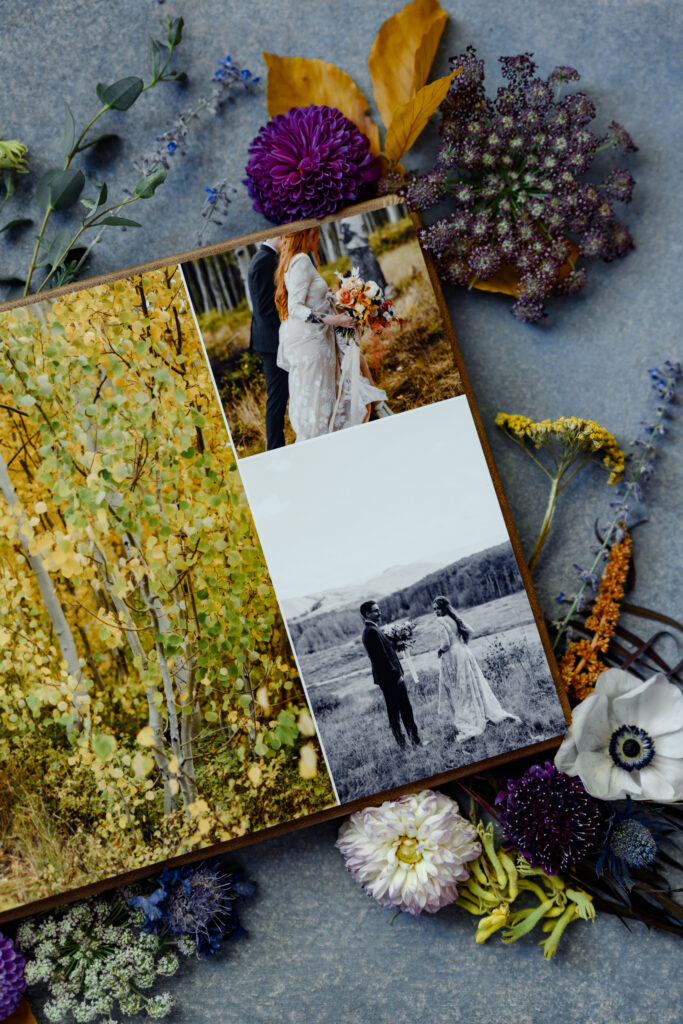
(626, 739)
(410, 853)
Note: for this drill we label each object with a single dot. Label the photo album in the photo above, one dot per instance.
(256, 565)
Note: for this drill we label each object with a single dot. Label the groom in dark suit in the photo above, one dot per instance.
(387, 673)
(265, 331)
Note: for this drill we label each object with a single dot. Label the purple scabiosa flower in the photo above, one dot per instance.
(551, 820)
(12, 981)
(197, 900)
(307, 163)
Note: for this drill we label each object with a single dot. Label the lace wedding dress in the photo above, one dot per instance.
(327, 390)
(463, 688)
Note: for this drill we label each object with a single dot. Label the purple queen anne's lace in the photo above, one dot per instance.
(513, 165)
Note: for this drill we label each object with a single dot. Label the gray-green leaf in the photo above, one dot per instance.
(120, 95)
(69, 131)
(153, 58)
(58, 190)
(148, 185)
(18, 222)
(122, 222)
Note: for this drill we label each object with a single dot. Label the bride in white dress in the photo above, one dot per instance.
(470, 700)
(321, 398)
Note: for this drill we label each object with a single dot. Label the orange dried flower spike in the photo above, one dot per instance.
(581, 664)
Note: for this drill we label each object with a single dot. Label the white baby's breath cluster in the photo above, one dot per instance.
(96, 961)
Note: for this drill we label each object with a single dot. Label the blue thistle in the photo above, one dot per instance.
(196, 900)
(631, 842)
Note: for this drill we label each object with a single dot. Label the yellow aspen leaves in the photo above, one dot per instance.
(145, 737)
(308, 761)
(305, 723)
(255, 775)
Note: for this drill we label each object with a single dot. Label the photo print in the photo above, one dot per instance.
(413, 631)
(150, 704)
(314, 331)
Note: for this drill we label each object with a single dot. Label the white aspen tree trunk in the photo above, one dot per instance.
(393, 214)
(51, 601)
(154, 719)
(354, 239)
(243, 260)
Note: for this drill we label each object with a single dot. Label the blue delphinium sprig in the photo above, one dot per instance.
(198, 901)
(513, 168)
(216, 204)
(628, 507)
(229, 81)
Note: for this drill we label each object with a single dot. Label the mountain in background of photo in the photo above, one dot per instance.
(473, 580)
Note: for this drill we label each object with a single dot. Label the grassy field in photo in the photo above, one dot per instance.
(413, 363)
(351, 714)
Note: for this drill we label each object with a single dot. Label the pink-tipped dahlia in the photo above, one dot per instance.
(12, 981)
(410, 853)
(307, 163)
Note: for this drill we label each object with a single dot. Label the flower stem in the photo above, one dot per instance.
(545, 526)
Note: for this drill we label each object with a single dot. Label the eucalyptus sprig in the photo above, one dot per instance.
(60, 188)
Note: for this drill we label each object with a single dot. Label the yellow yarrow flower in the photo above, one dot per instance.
(570, 442)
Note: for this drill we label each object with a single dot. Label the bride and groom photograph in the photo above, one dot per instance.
(469, 703)
(314, 331)
(414, 636)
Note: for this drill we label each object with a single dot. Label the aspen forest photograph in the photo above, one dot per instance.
(412, 362)
(149, 700)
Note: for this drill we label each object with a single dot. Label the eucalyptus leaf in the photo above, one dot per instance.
(120, 95)
(58, 190)
(69, 131)
(175, 30)
(98, 138)
(148, 185)
(56, 249)
(154, 58)
(122, 222)
(18, 222)
(102, 194)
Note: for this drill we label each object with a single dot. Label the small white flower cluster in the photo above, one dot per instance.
(95, 958)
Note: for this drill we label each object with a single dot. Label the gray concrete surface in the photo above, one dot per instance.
(319, 950)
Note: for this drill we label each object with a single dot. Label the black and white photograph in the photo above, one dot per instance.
(314, 331)
(402, 596)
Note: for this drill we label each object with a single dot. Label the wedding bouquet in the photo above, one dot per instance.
(364, 301)
(401, 635)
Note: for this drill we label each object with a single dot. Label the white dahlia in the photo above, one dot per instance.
(410, 853)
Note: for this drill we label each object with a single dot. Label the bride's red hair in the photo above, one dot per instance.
(300, 241)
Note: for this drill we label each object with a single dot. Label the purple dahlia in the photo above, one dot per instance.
(307, 163)
(550, 818)
(12, 981)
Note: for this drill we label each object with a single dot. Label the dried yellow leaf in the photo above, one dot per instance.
(403, 53)
(299, 82)
(410, 118)
(22, 1015)
(262, 698)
